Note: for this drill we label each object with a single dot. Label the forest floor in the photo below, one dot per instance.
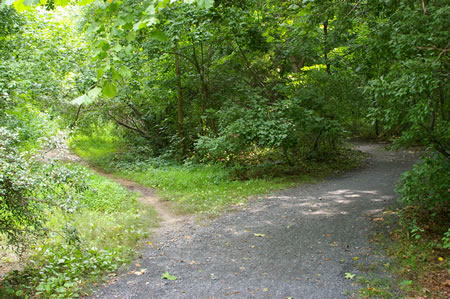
(311, 241)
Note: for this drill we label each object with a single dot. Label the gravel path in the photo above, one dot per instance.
(296, 243)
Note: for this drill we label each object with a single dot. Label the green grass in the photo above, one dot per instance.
(205, 188)
(95, 149)
(81, 247)
(196, 188)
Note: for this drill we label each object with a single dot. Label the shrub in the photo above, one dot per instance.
(426, 185)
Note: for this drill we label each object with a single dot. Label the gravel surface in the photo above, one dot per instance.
(296, 243)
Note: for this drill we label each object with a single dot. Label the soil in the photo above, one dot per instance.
(299, 243)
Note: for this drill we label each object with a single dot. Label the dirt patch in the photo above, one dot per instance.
(168, 219)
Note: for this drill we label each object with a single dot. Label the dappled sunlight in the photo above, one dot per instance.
(331, 203)
(338, 192)
(352, 195)
(369, 192)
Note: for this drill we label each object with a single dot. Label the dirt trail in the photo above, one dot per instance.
(167, 218)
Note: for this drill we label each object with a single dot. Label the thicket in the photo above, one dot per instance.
(67, 225)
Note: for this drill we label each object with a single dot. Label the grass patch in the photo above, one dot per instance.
(81, 247)
(202, 188)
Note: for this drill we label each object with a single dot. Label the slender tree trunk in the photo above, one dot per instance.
(204, 90)
(325, 33)
(377, 128)
(180, 128)
(76, 117)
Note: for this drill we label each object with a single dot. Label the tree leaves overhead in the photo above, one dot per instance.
(109, 89)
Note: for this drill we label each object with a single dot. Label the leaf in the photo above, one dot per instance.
(85, 2)
(94, 93)
(125, 71)
(158, 35)
(100, 73)
(140, 272)
(109, 90)
(117, 48)
(31, 2)
(61, 2)
(84, 99)
(168, 276)
(349, 275)
(139, 25)
(206, 4)
(259, 235)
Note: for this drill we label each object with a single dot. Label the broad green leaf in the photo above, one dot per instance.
(131, 36)
(163, 4)
(117, 48)
(84, 99)
(103, 44)
(168, 276)
(85, 2)
(129, 49)
(205, 3)
(93, 28)
(94, 93)
(125, 71)
(150, 10)
(116, 75)
(100, 73)
(109, 90)
(20, 6)
(31, 2)
(158, 35)
(61, 2)
(139, 25)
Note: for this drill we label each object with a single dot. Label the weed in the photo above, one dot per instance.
(82, 246)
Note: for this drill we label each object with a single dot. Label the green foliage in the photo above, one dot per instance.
(82, 246)
(27, 188)
(57, 271)
(426, 185)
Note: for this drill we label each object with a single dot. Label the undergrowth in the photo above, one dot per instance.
(420, 256)
(204, 188)
(81, 247)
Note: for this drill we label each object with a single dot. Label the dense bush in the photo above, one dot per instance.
(426, 185)
(28, 188)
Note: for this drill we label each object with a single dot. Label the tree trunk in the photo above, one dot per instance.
(325, 33)
(180, 129)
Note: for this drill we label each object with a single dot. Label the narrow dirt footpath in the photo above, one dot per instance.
(296, 243)
(167, 219)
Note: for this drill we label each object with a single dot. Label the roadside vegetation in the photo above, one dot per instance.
(203, 188)
(209, 102)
